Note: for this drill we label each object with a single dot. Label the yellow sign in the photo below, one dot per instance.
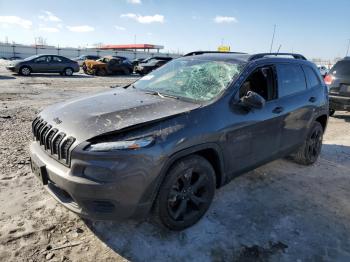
(224, 48)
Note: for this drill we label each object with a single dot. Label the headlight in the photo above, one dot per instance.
(120, 145)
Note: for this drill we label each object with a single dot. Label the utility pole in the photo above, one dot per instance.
(347, 50)
(273, 37)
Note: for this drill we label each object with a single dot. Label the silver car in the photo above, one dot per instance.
(44, 64)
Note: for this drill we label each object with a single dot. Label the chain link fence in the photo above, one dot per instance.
(22, 51)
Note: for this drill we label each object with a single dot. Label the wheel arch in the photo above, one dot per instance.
(210, 151)
(322, 119)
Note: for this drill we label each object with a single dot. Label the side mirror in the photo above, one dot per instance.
(253, 100)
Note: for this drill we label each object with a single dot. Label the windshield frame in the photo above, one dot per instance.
(198, 101)
(29, 58)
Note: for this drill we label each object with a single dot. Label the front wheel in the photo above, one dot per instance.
(25, 71)
(127, 71)
(68, 71)
(310, 150)
(186, 193)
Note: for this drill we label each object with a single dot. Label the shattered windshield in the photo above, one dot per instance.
(196, 79)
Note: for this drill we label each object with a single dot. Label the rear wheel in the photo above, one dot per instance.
(68, 71)
(186, 193)
(331, 112)
(126, 71)
(308, 153)
(25, 71)
(101, 72)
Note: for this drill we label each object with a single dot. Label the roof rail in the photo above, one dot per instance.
(262, 55)
(211, 52)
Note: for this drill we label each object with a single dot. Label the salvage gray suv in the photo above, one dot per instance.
(163, 144)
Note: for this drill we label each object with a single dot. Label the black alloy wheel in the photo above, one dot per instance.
(314, 144)
(187, 193)
(310, 150)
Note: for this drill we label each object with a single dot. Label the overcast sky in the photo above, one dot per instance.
(315, 28)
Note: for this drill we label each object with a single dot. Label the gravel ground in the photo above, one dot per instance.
(279, 212)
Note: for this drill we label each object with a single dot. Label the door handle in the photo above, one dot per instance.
(312, 99)
(278, 110)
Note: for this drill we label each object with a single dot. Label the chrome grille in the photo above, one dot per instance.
(54, 142)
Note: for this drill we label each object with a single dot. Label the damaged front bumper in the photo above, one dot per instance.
(102, 188)
(11, 68)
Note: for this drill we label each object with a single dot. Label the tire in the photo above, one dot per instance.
(126, 71)
(25, 71)
(309, 152)
(185, 194)
(331, 112)
(68, 71)
(101, 72)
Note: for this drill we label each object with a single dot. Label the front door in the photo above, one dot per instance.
(40, 64)
(254, 138)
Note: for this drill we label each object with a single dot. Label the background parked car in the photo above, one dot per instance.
(150, 64)
(44, 64)
(323, 70)
(338, 81)
(137, 61)
(108, 65)
(82, 58)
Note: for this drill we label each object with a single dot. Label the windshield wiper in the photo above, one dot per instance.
(162, 95)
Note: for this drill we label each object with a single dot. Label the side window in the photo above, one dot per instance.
(42, 59)
(312, 78)
(112, 61)
(56, 59)
(291, 79)
(261, 81)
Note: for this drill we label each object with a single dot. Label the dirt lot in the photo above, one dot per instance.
(281, 211)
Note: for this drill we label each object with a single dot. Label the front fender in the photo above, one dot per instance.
(152, 192)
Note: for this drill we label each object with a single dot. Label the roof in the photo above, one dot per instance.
(244, 57)
(223, 56)
(132, 46)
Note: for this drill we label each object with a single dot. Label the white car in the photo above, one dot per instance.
(323, 70)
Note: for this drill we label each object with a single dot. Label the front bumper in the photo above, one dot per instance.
(11, 68)
(129, 196)
(339, 102)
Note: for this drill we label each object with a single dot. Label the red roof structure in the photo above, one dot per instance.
(131, 47)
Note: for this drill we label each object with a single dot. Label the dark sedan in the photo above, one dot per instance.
(151, 64)
(44, 64)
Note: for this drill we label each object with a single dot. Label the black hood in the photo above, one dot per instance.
(87, 117)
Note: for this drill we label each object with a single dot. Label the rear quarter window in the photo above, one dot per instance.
(341, 68)
(312, 79)
(291, 79)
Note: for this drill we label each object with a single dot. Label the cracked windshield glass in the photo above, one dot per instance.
(195, 79)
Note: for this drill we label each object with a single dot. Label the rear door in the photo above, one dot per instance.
(296, 103)
(57, 64)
